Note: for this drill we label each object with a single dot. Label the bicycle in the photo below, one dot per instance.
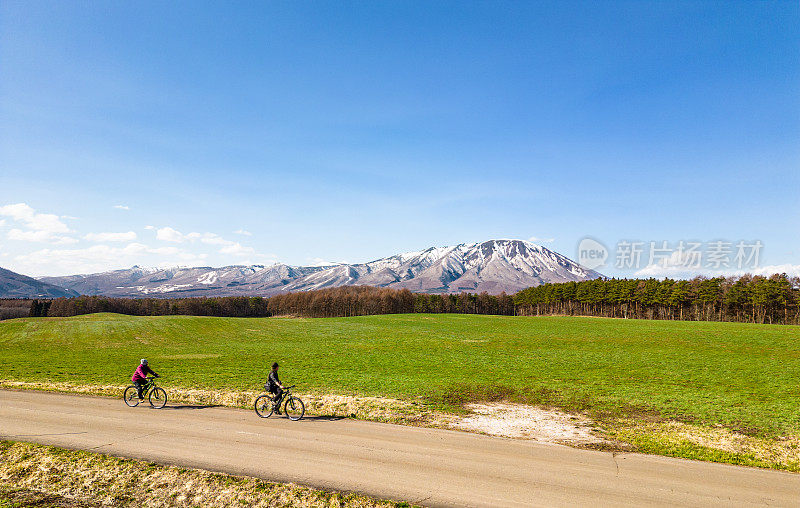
(155, 395)
(293, 407)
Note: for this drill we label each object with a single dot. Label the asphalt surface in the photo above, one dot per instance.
(426, 466)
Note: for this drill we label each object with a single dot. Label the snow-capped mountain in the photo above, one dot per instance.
(493, 266)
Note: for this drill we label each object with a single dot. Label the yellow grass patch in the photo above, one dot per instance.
(97, 479)
(780, 453)
(366, 408)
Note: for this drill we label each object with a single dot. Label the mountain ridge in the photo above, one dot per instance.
(16, 285)
(494, 266)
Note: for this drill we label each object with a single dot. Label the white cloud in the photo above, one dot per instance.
(664, 270)
(536, 239)
(227, 246)
(323, 262)
(237, 249)
(168, 234)
(21, 212)
(98, 258)
(679, 264)
(658, 271)
(39, 236)
(28, 225)
(212, 239)
(243, 232)
(790, 270)
(258, 259)
(28, 236)
(122, 207)
(37, 227)
(111, 237)
(139, 248)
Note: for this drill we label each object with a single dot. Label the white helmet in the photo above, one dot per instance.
(144, 361)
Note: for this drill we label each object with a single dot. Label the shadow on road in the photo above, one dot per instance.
(323, 418)
(193, 406)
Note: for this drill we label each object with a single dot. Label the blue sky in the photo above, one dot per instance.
(351, 131)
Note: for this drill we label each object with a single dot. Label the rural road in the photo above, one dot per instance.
(426, 466)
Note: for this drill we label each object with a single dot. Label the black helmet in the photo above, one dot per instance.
(275, 365)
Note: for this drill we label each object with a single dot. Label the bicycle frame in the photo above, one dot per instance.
(287, 392)
(286, 398)
(148, 387)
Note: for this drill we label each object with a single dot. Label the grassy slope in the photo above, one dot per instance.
(739, 375)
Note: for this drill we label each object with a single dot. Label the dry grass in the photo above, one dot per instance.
(379, 409)
(26, 498)
(76, 478)
(716, 444)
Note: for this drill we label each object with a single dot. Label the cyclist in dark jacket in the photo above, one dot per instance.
(275, 387)
(140, 376)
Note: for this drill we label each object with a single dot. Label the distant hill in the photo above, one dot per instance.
(493, 266)
(15, 285)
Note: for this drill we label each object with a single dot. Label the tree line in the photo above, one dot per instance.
(749, 299)
(332, 302)
(12, 308)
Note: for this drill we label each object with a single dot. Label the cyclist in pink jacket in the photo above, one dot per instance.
(140, 377)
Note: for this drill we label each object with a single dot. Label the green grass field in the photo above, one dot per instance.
(745, 377)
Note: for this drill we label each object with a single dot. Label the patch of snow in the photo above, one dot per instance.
(164, 288)
(208, 278)
(527, 422)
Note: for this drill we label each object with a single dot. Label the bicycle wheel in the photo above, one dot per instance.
(131, 396)
(294, 408)
(264, 406)
(158, 398)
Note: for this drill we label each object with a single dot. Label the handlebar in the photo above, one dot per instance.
(287, 387)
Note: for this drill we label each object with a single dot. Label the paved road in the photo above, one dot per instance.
(426, 466)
